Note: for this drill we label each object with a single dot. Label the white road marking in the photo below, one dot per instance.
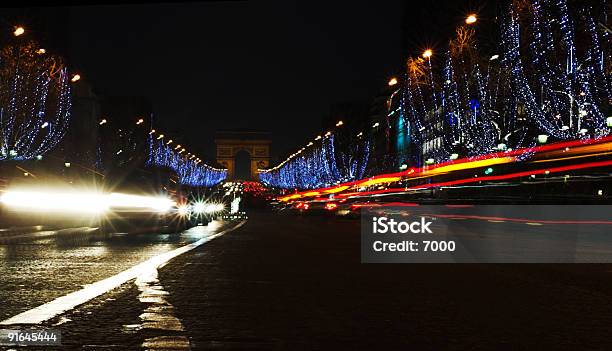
(67, 302)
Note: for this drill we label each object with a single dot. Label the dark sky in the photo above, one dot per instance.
(275, 66)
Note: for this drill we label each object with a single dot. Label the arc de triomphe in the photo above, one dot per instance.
(255, 143)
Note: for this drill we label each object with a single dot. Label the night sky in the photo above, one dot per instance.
(275, 66)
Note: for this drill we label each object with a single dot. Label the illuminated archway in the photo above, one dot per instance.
(233, 143)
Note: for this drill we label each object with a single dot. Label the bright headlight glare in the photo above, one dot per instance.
(210, 208)
(199, 207)
(81, 202)
(56, 201)
(159, 204)
(183, 210)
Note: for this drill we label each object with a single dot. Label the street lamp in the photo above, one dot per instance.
(18, 31)
(471, 19)
(75, 78)
(427, 54)
(393, 82)
(41, 51)
(340, 123)
(103, 121)
(140, 121)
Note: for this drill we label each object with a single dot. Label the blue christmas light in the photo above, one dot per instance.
(319, 165)
(190, 172)
(35, 102)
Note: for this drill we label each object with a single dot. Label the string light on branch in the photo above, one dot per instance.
(535, 85)
(189, 168)
(318, 165)
(35, 101)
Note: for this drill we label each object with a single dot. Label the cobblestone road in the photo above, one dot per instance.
(297, 283)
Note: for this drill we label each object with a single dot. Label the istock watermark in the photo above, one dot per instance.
(384, 225)
(487, 234)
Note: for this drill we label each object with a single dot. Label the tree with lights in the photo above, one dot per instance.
(321, 164)
(549, 78)
(34, 101)
(539, 83)
(191, 172)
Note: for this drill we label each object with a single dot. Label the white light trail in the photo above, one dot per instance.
(55, 201)
(70, 201)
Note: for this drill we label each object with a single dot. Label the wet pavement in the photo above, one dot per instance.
(295, 282)
(37, 272)
(292, 282)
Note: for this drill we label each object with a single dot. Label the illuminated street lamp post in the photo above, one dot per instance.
(18, 31)
(471, 19)
(428, 54)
